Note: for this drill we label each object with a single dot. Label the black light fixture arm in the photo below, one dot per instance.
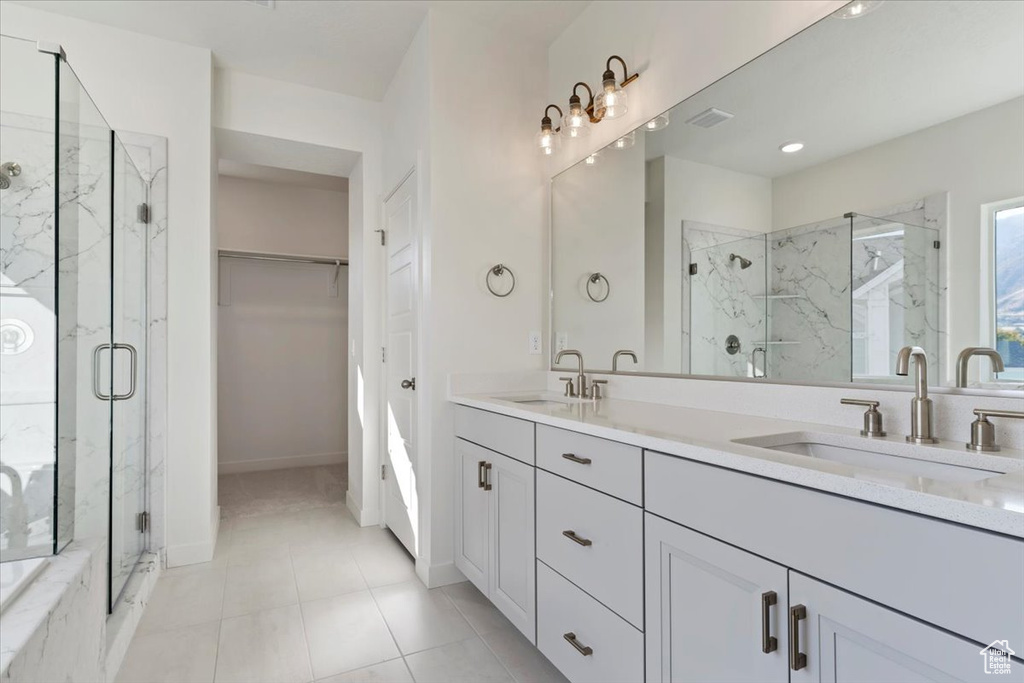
(575, 98)
(546, 121)
(610, 75)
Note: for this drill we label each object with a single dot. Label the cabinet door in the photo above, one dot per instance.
(847, 638)
(706, 602)
(472, 519)
(513, 570)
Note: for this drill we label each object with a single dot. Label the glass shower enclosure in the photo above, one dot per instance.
(73, 260)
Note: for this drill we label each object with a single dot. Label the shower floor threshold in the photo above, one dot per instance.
(16, 576)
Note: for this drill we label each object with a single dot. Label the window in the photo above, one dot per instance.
(1008, 274)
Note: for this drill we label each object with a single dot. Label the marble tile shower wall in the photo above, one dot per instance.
(722, 299)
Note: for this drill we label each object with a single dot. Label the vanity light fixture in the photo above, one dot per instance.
(657, 123)
(611, 103)
(576, 123)
(791, 147)
(856, 10)
(626, 141)
(547, 138)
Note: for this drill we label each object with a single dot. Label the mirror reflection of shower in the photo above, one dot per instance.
(744, 263)
(7, 171)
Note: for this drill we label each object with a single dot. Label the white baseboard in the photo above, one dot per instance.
(437, 575)
(282, 463)
(363, 517)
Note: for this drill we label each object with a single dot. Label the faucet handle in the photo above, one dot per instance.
(872, 418)
(983, 432)
(570, 390)
(595, 388)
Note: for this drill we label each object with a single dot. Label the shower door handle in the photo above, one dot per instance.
(134, 354)
(753, 362)
(96, 390)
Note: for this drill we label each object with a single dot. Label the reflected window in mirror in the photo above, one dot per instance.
(1007, 312)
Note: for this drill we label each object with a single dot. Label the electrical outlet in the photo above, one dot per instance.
(533, 343)
(561, 342)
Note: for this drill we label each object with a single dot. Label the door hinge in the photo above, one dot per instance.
(693, 269)
(383, 472)
(937, 244)
(383, 355)
(142, 522)
(383, 239)
(143, 213)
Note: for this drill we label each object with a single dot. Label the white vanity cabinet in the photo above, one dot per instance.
(494, 523)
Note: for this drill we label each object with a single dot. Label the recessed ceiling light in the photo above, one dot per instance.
(858, 9)
(791, 147)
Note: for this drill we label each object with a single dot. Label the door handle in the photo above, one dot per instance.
(797, 659)
(577, 459)
(571, 535)
(487, 476)
(769, 643)
(409, 384)
(134, 354)
(480, 473)
(97, 391)
(584, 650)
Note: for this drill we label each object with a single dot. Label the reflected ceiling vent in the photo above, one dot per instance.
(709, 118)
(265, 4)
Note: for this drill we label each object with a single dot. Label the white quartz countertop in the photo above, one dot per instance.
(995, 503)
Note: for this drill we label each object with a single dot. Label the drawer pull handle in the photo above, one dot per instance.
(576, 459)
(584, 650)
(769, 643)
(480, 473)
(797, 659)
(487, 476)
(571, 535)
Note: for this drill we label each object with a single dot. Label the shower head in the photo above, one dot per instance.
(744, 262)
(8, 171)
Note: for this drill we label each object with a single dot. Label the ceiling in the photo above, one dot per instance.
(281, 176)
(351, 47)
(246, 154)
(843, 85)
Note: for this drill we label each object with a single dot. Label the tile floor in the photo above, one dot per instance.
(301, 593)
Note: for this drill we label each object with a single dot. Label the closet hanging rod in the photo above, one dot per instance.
(293, 258)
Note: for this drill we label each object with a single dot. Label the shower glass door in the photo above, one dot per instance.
(128, 521)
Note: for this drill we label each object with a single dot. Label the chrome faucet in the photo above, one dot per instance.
(581, 379)
(622, 352)
(921, 405)
(965, 357)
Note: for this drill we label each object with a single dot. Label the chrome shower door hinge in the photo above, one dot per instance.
(142, 522)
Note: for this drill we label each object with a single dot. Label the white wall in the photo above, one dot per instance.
(282, 368)
(263, 106)
(977, 158)
(253, 215)
(145, 84)
(678, 48)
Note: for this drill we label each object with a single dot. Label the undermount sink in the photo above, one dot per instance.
(886, 456)
(536, 400)
(540, 402)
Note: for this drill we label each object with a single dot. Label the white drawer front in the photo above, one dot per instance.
(608, 466)
(616, 648)
(606, 559)
(501, 434)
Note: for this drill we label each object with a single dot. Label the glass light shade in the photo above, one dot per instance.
(625, 142)
(576, 124)
(611, 104)
(547, 141)
(657, 123)
(591, 160)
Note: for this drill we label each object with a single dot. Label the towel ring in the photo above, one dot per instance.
(500, 270)
(594, 279)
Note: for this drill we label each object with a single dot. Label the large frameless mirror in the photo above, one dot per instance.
(857, 189)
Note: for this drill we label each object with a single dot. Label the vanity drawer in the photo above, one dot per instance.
(616, 648)
(505, 435)
(608, 466)
(606, 560)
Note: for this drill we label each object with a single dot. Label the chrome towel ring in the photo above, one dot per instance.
(498, 271)
(593, 280)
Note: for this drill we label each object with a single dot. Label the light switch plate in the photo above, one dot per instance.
(533, 343)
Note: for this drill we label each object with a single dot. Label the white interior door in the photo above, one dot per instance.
(400, 334)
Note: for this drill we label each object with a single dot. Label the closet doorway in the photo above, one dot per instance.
(282, 341)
